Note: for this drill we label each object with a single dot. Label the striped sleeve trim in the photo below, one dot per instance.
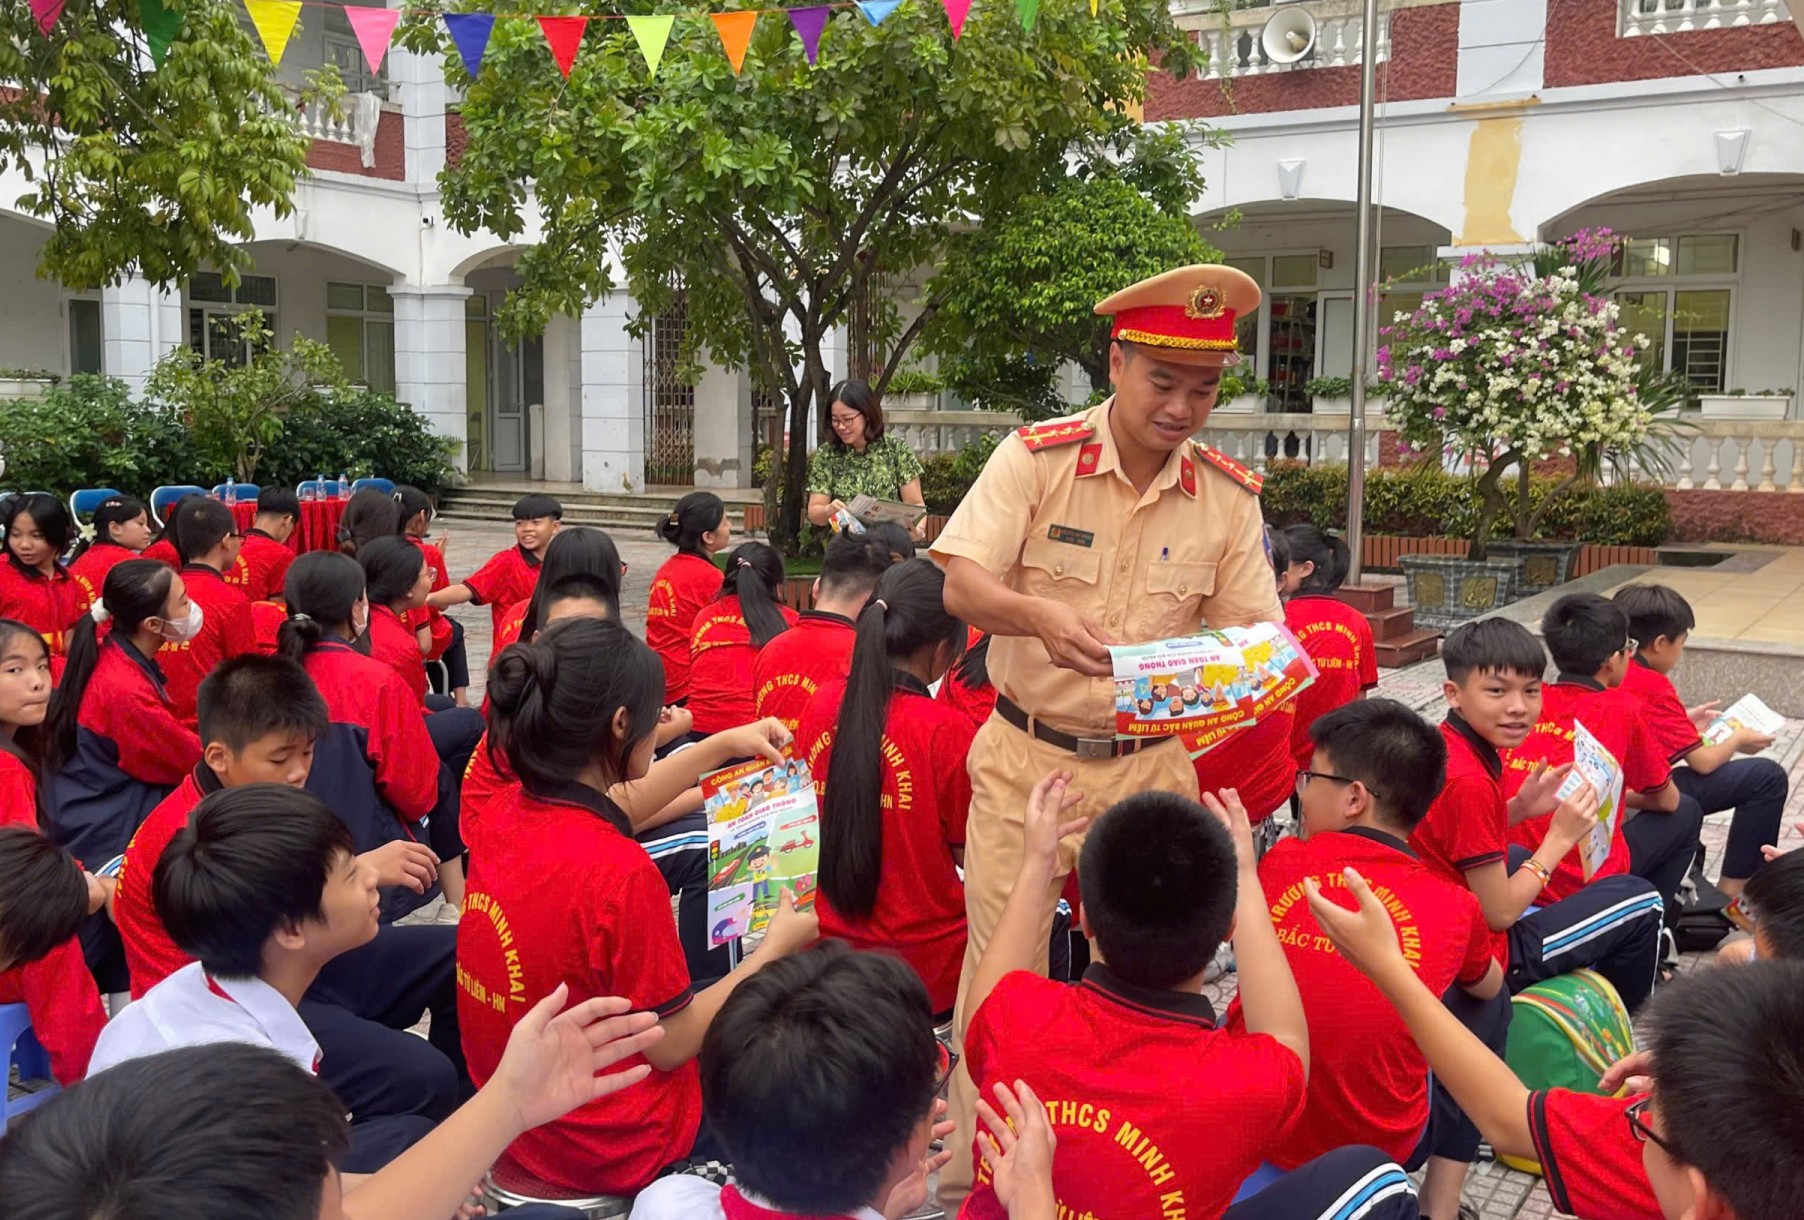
(1551, 1171)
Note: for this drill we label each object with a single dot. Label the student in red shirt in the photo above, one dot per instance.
(1712, 775)
(728, 634)
(509, 575)
(578, 902)
(890, 765)
(267, 551)
(1136, 1074)
(1588, 637)
(44, 899)
(121, 531)
(24, 702)
(447, 633)
(580, 553)
(967, 688)
(35, 587)
(163, 549)
(1376, 769)
(698, 528)
(397, 580)
(1335, 635)
(369, 514)
(207, 539)
(818, 650)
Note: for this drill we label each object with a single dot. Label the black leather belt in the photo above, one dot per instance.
(1087, 748)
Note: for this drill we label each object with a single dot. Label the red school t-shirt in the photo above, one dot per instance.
(576, 902)
(1157, 1111)
(1339, 640)
(1255, 761)
(926, 797)
(394, 643)
(1614, 718)
(1467, 826)
(1662, 712)
(426, 616)
(149, 953)
(226, 630)
(793, 667)
(266, 562)
(1590, 1159)
(92, 565)
(975, 702)
(721, 656)
(49, 605)
(681, 588)
(507, 577)
(487, 779)
(1371, 1088)
(163, 551)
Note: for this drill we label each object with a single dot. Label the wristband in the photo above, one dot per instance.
(1538, 869)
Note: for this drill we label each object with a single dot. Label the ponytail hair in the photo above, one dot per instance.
(696, 514)
(320, 589)
(135, 590)
(370, 514)
(411, 502)
(578, 553)
(26, 742)
(1329, 554)
(48, 513)
(907, 615)
(973, 669)
(114, 510)
(755, 576)
(552, 702)
(391, 567)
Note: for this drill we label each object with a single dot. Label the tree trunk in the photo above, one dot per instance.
(1524, 522)
(1491, 504)
(786, 527)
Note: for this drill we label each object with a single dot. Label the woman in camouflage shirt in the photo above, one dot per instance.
(858, 458)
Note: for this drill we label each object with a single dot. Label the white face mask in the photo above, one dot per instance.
(181, 630)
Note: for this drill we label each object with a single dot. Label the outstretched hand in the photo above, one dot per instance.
(1225, 805)
(554, 1058)
(1365, 937)
(911, 1192)
(1018, 1151)
(1045, 823)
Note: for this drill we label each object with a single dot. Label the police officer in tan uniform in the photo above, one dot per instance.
(1108, 527)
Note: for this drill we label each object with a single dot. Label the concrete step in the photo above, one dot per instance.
(1408, 649)
(1391, 624)
(1368, 599)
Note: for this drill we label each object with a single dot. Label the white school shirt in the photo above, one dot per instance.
(687, 1197)
(190, 1008)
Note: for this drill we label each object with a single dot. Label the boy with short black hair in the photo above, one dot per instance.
(44, 896)
(1136, 1074)
(1376, 769)
(509, 576)
(207, 542)
(818, 649)
(266, 552)
(1774, 902)
(1588, 637)
(1660, 619)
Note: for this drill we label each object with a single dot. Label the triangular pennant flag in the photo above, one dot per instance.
(735, 30)
(373, 27)
(1027, 10)
(651, 33)
(161, 25)
(1093, 8)
(470, 31)
(274, 20)
(956, 12)
(809, 22)
(564, 35)
(46, 11)
(876, 10)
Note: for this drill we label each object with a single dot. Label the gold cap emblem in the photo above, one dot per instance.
(1205, 302)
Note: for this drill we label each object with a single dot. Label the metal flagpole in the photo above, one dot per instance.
(1362, 302)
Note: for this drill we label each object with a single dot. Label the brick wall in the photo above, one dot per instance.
(1773, 517)
(1583, 48)
(1424, 63)
(391, 152)
(457, 138)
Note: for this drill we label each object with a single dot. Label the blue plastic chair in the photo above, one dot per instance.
(85, 501)
(164, 498)
(385, 486)
(246, 492)
(24, 1052)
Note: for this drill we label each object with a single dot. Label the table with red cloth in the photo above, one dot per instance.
(318, 528)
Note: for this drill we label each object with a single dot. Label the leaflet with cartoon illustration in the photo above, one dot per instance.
(1747, 712)
(763, 838)
(1205, 685)
(1592, 762)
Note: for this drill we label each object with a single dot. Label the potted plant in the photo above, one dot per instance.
(1241, 393)
(1330, 395)
(913, 390)
(25, 383)
(1746, 404)
(1510, 366)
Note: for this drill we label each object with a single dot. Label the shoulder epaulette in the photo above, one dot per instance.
(1248, 478)
(1056, 432)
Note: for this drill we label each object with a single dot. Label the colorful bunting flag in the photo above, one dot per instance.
(1093, 8)
(161, 25)
(809, 22)
(651, 33)
(1027, 10)
(564, 35)
(470, 31)
(735, 30)
(275, 21)
(46, 11)
(956, 12)
(373, 27)
(876, 10)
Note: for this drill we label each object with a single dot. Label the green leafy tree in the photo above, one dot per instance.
(773, 200)
(1016, 295)
(154, 169)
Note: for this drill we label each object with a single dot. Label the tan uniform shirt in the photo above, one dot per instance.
(1063, 522)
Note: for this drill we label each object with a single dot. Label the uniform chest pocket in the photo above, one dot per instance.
(1174, 592)
(1052, 569)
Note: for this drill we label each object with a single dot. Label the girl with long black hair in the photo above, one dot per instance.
(895, 792)
(447, 634)
(698, 528)
(1335, 635)
(577, 553)
(122, 530)
(35, 586)
(24, 702)
(747, 614)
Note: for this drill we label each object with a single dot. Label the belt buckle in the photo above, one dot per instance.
(1092, 748)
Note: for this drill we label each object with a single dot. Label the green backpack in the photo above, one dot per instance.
(1564, 1034)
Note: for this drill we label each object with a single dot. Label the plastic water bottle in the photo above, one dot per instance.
(309, 491)
(344, 485)
(231, 492)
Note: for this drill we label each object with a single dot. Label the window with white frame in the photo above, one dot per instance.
(360, 328)
(212, 304)
(1679, 292)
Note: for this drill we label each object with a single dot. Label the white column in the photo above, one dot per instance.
(431, 373)
(418, 83)
(141, 323)
(561, 443)
(613, 398)
(723, 428)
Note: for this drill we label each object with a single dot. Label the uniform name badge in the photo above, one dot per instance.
(1208, 683)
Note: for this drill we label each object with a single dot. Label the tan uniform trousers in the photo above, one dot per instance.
(1005, 764)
